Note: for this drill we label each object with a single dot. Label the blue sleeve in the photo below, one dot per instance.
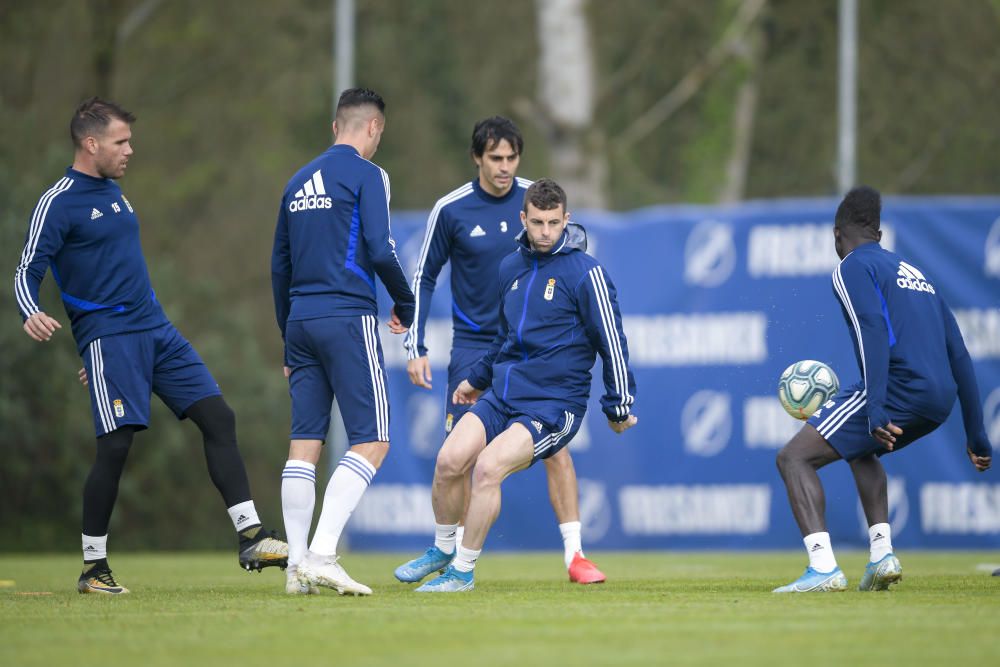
(281, 270)
(45, 238)
(968, 389)
(859, 297)
(481, 374)
(434, 254)
(602, 318)
(373, 207)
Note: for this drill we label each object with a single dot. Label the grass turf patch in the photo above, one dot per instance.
(656, 608)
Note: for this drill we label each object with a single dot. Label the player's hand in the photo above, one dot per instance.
(287, 371)
(41, 327)
(621, 427)
(395, 325)
(420, 371)
(82, 374)
(886, 435)
(982, 463)
(465, 394)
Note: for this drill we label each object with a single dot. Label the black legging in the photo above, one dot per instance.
(217, 423)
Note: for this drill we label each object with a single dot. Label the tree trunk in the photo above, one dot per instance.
(566, 100)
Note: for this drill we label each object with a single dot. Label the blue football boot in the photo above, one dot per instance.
(433, 560)
(812, 581)
(879, 576)
(452, 581)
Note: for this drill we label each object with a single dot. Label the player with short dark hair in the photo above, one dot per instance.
(913, 363)
(558, 310)
(86, 229)
(332, 238)
(473, 227)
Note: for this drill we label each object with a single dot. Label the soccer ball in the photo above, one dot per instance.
(806, 385)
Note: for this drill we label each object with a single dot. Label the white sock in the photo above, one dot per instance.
(298, 498)
(347, 484)
(446, 537)
(94, 548)
(880, 540)
(572, 542)
(459, 533)
(244, 515)
(820, 552)
(465, 559)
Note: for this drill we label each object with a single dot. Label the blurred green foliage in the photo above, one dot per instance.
(232, 97)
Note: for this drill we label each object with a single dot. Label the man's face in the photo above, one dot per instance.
(838, 242)
(113, 149)
(544, 228)
(497, 167)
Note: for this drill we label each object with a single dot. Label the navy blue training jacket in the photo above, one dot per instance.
(332, 237)
(558, 310)
(909, 348)
(85, 229)
(474, 230)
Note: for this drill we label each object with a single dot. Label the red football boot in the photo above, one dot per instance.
(582, 571)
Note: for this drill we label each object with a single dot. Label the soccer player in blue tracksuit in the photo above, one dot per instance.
(913, 363)
(332, 237)
(85, 229)
(558, 309)
(474, 228)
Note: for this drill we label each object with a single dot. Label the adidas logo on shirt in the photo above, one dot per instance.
(95, 214)
(911, 278)
(477, 231)
(311, 195)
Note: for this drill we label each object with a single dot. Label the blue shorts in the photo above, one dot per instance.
(337, 356)
(843, 422)
(124, 370)
(548, 438)
(462, 361)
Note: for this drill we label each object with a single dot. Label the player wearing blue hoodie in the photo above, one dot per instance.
(558, 310)
(913, 364)
(473, 228)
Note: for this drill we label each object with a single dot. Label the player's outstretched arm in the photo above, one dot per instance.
(602, 318)
(373, 207)
(977, 443)
(434, 253)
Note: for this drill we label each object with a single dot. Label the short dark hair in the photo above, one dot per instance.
(491, 131)
(93, 116)
(359, 97)
(861, 207)
(545, 195)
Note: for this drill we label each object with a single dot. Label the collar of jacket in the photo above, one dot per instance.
(574, 237)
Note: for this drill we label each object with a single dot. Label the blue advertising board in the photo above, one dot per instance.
(717, 301)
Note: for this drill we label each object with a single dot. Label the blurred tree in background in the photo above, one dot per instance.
(691, 102)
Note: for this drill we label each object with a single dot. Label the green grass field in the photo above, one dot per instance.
(657, 608)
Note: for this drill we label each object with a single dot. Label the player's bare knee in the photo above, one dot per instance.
(487, 473)
(451, 464)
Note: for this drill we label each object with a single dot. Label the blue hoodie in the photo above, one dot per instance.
(909, 348)
(558, 310)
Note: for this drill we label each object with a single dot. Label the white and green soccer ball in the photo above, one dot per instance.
(806, 385)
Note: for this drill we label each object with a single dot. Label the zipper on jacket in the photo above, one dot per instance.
(520, 325)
